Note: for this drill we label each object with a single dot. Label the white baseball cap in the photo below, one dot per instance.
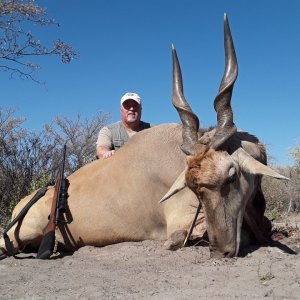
(131, 96)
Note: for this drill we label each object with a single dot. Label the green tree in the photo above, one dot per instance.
(18, 46)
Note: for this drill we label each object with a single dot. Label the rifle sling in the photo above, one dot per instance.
(40, 193)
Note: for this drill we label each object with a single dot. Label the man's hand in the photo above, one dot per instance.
(104, 153)
(108, 154)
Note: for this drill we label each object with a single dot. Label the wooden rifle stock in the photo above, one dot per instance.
(48, 241)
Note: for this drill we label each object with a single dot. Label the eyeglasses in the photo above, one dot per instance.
(130, 104)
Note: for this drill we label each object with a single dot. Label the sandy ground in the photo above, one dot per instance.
(144, 270)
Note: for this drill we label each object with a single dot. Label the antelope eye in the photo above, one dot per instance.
(232, 175)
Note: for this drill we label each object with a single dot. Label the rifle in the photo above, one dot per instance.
(58, 207)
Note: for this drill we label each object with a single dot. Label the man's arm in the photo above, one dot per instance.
(104, 144)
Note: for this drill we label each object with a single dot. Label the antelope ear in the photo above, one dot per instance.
(177, 186)
(253, 166)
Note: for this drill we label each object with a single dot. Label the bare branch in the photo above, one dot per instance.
(17, 44)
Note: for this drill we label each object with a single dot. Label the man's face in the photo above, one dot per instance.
(131, 111)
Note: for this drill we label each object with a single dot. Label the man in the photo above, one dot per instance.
(114, 136)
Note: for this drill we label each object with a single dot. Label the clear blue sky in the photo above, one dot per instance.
(125, 45)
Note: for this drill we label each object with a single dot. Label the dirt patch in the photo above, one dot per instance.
(144, 270)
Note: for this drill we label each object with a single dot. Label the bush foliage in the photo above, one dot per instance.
(29, 160)
(283, 197)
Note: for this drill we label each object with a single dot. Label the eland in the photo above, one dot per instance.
(162, 181)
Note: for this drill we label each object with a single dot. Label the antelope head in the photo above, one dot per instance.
(223, 181)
